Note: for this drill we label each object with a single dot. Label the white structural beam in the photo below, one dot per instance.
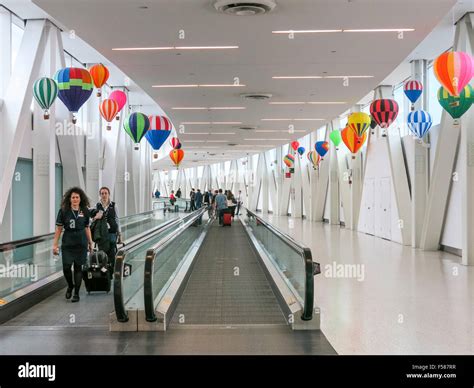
(264, 191)
(445, 156)
(344, 184)
(333, 184)
(17, 102)
(313, 179)
(322, 188)
(356, 186)
(297, 187)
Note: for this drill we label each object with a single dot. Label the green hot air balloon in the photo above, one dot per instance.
(136, 125)
(45, 91)
(456, 106)
(335, 137)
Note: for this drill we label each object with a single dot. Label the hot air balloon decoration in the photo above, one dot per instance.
(359, 122)
(136, 125)
(100, 75)
(160, 129)
(314, 159)
(45, 91)
(175, 143)
(75, 88)
(456, 106)
(289, 160)
(108, 109)
(454, 70)
(413, 90)
(321, 147)
(176, 157)
(301, 150)
(353, 142)
(120, 98)
(295, 145)
(384, 112)
(335, 137)
(419, 122)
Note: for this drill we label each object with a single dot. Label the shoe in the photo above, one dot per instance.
(75, 298)
(69, 293)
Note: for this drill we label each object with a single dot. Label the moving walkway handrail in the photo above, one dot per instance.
(311, 268)
(150, 261)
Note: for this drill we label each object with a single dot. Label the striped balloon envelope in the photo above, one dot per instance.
(419, 123)
(136, 125)
(176, 157)
(100, 75)
(120, 98)
(175, 143)
(160, 130)
(314, 158)
(108, 109)
(45, 91)
(289, 160)
(412, 90)
(359, 122)
(160, 123)
(321, 147)
(384, 111)
(456, 106)
(454, 70)
(353, 142)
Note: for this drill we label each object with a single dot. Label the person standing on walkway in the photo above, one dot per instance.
(221, 206)
(239, 202)
(178, 193)
(192, 197)
(231, 202)
(198, 199)
(73, 218)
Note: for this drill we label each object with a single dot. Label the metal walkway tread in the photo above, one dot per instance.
(227, 285)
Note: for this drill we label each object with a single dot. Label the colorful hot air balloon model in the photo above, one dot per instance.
(454, 70)
(175, 143)
(100, 75)
(120, 98)
(301, 150)
(413, 89)
(419, 123)
(45, 91)
(136, 125)
(176, 157)
(456, 106)
(359, 122)
(75, 88)
(108, 109)
(289, 160)
(335, 137)
(160, 130)
(321, 147)
(384, 112)
(314, 159)
(353, 142)
(295, 145)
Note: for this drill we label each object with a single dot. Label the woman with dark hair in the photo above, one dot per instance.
(73, 217)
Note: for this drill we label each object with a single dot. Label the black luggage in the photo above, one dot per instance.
(97, 274)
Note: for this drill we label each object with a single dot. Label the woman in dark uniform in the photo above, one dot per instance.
(73, 217)
(106, 208)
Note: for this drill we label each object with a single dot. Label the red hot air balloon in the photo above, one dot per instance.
(175, 143)
(413, 90)
(295, 145)
(100, 75)
(108, 109)
(384, 112)
(120, 98)
(454, 70)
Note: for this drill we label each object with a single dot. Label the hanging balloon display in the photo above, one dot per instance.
(412, 90)
(136, 125)
(353, 142)
(120, 98)
(384, 112)
(45, 91)
(100, 75)
(335, 137)
(75, 88)
(160, 130)
(295, 145)
(175, 143)
(289, 160)
(108, 109)
(454, 70)
(321, 147)
(314, 158)
(359, 122)
(176, 157)
(301, 150)
(456, 106)
(419, 123)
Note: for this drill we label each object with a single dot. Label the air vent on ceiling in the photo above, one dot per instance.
(244, 8)
(232, 144)
(256, 96)
(247, 127)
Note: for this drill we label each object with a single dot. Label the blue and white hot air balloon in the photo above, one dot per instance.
(419, 123)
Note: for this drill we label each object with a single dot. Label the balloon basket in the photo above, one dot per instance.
(117, 117)
(155, 156)
(353, 157)
(46, 115)
(74, 120)
(412, 108)
(136, 147)
(456, 122)
(337, 148)
(99, 93)
(108, 127)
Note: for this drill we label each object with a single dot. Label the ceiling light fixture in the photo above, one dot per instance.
(196, 133)
(210, 122)
(293, 119)
(309, 102)
(344, 30)
(175, 48)
(223, 133)
(200, 86)
(266, 139)
(321, 76)
(208, 108)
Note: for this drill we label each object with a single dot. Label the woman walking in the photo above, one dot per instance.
(73, 218)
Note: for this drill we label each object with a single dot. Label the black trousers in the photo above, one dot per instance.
(67, 270)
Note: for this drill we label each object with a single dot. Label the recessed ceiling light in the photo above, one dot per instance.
(210, 122)
(304, 31)
(293, 119)
(343, 30)
(210, 108)
(200, 86)
(195, 141)
(218, 141)
(321, 76)
(265, 139)
(308, 102)
(223, 133)
(196, 133)
(175, 48)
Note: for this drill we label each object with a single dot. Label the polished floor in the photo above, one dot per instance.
(387, 298)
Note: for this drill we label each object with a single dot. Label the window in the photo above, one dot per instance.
(17, 34)
(434, 107)
(399, 97)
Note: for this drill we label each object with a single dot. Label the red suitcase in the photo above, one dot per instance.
(227, 219)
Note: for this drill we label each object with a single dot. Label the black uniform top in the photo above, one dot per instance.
(74, 223)
(111, 214)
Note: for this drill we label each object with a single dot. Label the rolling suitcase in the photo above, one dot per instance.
(97, 275)
(227, 219)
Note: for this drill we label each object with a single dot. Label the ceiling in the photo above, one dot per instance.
(107, 24)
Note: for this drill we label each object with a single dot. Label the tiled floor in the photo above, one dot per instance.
(408, 301)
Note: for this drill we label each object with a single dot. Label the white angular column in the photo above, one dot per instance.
(333, 188)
